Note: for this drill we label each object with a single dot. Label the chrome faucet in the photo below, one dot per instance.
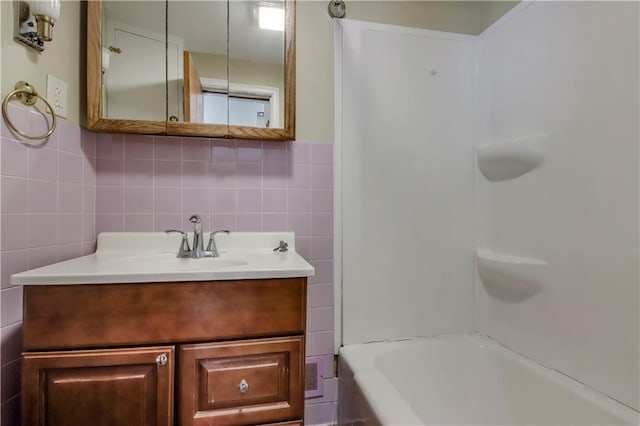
(197, 251)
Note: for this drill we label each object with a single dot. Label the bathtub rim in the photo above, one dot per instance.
(390, 408)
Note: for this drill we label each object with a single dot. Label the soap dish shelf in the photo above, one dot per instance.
(509, 277)
(510, 159)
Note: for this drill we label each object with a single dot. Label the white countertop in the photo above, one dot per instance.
(138, 257)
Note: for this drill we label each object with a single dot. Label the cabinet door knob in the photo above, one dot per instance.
(162, 359)
(244, 386)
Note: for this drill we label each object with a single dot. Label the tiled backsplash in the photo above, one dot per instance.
(56, 197)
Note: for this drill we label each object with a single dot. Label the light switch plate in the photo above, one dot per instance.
(57, 95)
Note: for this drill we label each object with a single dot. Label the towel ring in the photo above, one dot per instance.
(28, 95)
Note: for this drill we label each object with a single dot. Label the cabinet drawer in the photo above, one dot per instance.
(112, 315)
(132, 387)
(240, 383)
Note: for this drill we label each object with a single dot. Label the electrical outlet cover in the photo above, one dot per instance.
(57, 95)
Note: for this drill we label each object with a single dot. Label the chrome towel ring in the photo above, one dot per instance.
(28, 95)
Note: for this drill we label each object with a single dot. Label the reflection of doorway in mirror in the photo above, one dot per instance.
(243, 73)
(243, 111)
(248, 105)
(135, 82)
(248, 111)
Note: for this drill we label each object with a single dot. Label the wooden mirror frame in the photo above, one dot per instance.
(96, 122)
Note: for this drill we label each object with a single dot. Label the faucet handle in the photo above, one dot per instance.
(195, 219)
(184, 245)
(212, 242)
(282, 247)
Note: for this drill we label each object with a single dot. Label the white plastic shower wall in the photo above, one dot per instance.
(567, 74)
(549, 97)
(406, 146)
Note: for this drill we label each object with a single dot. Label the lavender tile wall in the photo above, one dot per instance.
(147, 183)
(47, 214)
(55, 198)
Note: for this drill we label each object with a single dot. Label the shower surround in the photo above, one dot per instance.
(535, 244)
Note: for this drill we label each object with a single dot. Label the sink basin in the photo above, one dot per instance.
(168, 262)
(138, 257)
(208, 263)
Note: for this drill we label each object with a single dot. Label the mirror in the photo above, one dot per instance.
(192, 68)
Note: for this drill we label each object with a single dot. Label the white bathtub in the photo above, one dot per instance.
(463, 380)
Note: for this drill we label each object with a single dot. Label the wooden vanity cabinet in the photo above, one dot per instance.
(215, 353)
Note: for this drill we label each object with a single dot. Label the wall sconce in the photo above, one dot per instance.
(36, 21)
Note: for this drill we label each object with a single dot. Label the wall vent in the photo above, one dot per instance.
(313, 377)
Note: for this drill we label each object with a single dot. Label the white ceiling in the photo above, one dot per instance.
(202, 25)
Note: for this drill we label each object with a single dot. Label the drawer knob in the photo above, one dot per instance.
(243, 386)
(162, 359)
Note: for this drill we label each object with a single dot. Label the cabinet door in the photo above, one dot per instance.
(115, 387)
(240, 383)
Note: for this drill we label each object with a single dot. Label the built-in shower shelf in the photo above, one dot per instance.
(510, 277)
(510, 159)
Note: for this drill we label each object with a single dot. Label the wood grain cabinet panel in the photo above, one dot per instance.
(111, 315)
(240, 383)
(240, 351)
(132, 387)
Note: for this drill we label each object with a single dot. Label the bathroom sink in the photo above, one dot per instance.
(169, 261)
(138, 257)
(207, 264)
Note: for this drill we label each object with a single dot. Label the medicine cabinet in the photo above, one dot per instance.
(192, 68)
